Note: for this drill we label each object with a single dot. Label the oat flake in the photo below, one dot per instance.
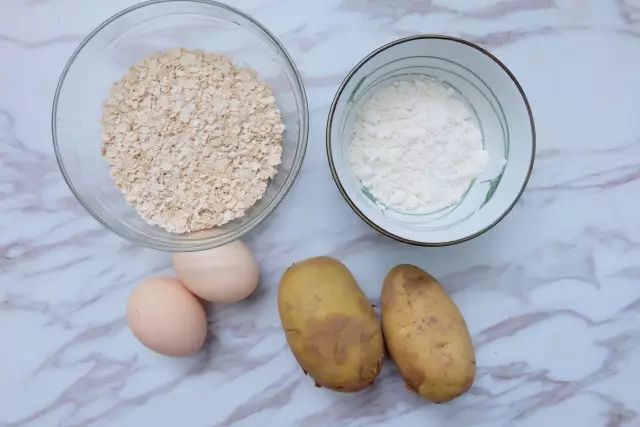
(192, 140)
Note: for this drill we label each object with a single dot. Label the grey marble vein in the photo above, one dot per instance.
(551, 294)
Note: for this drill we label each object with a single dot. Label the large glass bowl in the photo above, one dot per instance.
(106, 55)
(502, 112)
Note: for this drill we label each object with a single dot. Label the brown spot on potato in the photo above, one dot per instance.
(410, 388)
(287, 306)
(364, 337)
(413, 378)
(369, 370)
(364, 305)
(333, 336)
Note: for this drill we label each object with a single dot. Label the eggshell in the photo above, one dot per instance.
(228, 273)
(166, 317)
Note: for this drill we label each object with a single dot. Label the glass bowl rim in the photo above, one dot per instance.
(171, 245)
(329, 143)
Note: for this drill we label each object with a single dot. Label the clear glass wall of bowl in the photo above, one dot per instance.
(105, 57)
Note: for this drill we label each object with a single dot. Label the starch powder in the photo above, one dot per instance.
(416, 146)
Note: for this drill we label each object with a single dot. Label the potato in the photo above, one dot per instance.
(330, 325)
(426, 335)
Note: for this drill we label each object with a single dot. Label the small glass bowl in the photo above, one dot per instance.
(501, 109)
(106, 55)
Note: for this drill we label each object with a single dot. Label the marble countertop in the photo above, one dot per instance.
(551, 294)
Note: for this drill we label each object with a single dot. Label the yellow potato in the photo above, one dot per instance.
(426, 335)
(330, 325)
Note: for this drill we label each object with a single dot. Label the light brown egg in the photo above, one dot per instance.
(228, 273)
(166, 317)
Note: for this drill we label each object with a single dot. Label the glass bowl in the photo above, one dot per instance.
(501, 110)
(106, 55)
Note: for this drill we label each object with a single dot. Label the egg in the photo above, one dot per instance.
(227, 273)
(166, 317)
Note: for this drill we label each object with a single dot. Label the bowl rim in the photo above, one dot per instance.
(339, 93)
(209, 242)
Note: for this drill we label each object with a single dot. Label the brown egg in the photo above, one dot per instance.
(166, 317)
(228, 273)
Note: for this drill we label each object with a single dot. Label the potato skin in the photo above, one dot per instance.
(426, 335)
(330, 325)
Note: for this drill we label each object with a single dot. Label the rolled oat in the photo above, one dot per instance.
(192, 140)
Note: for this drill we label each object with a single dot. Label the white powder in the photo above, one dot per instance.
(416, 146)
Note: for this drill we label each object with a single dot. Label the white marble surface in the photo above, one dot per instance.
(551, 295)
